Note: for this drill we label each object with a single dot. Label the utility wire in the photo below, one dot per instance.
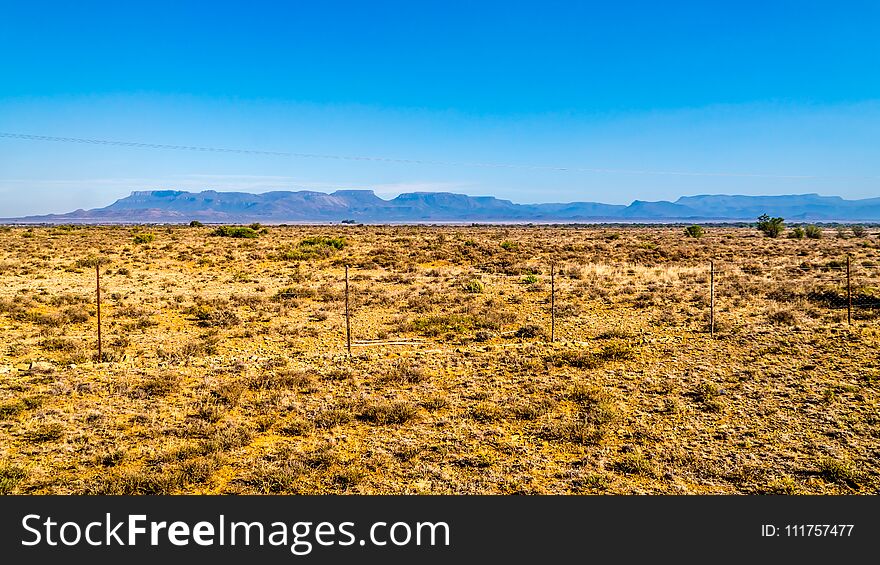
(139, 145)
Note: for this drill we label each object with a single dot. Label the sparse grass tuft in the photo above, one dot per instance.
(389, 413)
(10, 477)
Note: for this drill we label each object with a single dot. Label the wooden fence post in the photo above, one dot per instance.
(98, 294)
(712, 299)
(848, 292)
(347, 321)
(552, 303)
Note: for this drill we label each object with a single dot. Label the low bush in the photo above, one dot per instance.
(237, 232)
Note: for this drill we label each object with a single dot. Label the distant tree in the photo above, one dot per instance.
(694, 231)
(813, 232)
(349, 221)
(859, 231)
(797, 233)
(195, 224)
(771, 227)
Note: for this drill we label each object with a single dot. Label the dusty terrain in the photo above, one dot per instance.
(224, 367)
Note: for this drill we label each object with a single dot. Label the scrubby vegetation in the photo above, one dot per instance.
(225, 368)
(694, 231)
(237, 232)
(771, 227)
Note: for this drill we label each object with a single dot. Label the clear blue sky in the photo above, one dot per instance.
(760, 91)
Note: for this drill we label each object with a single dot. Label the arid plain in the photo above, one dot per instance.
(225, 368)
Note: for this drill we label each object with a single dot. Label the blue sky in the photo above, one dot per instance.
(766, 97)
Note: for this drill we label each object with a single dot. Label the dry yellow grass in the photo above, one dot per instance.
(225, 367)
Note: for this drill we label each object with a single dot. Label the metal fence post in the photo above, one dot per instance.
(552, 303)
(848, 292)
(98, 295)
(347, 320)
(712, 299)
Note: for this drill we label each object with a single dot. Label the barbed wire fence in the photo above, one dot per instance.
(708, 297)
(711, 295)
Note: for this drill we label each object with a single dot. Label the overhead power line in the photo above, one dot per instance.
(139, 145)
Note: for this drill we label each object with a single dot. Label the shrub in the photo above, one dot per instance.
(694, 231)
(10, 477)
(296, 427)
(616, 352)
(813, 232)
(232, 231)
(783, 317)
(858, 231)
(576, 359)
(531, 410)
(45, 433)
(207, 317)
(487, 412)
(195, 224)
(529, 330)
(634, 463)
(771, 227)
(473, 286)
(332, 418)
(797, 233)
(144, 238)
(404, 371)
(839, 471)
(591, 424)
(509, 245)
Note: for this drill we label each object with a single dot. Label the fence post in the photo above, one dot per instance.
(98, 295)
(347, 321)
(712, 299)
(848, 292)
(552, 303)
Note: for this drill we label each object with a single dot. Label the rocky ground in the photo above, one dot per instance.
(225, 370)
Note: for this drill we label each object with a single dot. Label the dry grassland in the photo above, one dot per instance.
(225, 369)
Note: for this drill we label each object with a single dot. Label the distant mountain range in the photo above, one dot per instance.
(209, 206)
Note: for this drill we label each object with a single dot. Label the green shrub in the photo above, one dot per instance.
(839, 471)
(858, 231)
(195, 224)
(771, 227)
(473, 286)
(797, 233)
(144, 238)
(10, 477)
(509, 245)
(694, 231)
(813, 232)
(233, 231)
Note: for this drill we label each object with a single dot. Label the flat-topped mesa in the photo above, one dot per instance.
(306, 206)
(157, 193)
